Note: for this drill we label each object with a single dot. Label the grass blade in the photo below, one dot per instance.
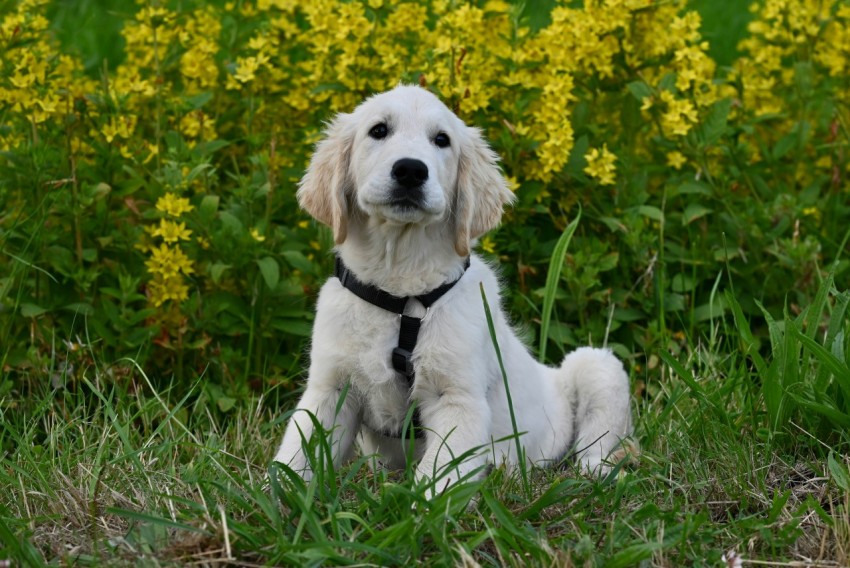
(519, 452)
(556, 264)
(838, 368)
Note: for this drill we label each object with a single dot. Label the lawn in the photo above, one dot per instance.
(157, 280)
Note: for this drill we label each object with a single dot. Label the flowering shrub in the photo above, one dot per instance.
(148, 209)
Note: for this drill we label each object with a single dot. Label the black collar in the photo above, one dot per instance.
(384, 299)
(402, 356)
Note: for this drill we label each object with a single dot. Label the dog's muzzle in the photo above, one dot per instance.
(409, 176)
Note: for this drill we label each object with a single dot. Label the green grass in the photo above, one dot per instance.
(101, 468)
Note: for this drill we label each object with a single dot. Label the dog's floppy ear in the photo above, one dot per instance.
(323, 191)
(482, 191)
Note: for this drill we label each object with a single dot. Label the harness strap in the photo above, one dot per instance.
(402, 355)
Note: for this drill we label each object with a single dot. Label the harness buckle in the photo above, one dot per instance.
(402, 362)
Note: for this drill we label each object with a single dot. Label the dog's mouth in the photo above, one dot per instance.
(406, 204)
(403, 205)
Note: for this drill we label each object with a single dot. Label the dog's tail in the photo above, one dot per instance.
(597, 387)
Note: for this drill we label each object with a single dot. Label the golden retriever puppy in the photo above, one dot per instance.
(407, 188)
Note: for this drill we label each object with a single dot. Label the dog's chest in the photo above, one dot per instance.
(384, 393)
(357, 340)
(367, 338)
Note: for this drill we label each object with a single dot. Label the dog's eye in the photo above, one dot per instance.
(378, 131)
(442, 140)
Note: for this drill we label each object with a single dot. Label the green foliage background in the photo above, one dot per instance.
(745, 186)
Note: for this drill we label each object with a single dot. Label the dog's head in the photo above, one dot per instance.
(403, 157)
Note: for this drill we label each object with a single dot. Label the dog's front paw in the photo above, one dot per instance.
(295, 462)
(439, 480)
(594, 466)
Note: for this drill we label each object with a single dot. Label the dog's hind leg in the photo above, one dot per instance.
(597, 387)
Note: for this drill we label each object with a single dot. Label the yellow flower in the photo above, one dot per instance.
(812, 212)
(488, 245)
(258, 43)
(255, 234)
(600, 165)
(171, 232)
(164, 289)
(120, 126)
(679, 117)
(676, 160)
(168, 261)
(172, 205)
(246, 67)
(153, 151)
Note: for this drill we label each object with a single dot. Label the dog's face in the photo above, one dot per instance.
(404, 158)
(403, 163)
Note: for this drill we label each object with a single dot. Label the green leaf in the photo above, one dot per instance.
(296, 327)
(298, 261)
(784, 145)
(225, 403)
(691, 187)
(208, 207)
(197, 101)
(652, 212)
(682, 283)
(206, 148)
(838, 472)
(577, 163)
(694, 211)
(608, 262)
(31, 310)
(561, 333)
(714, 125)
(614, 224)
(217, 270)
(668, 83)
(270, 270)
(639, 90)
(80, 308)
(232, 224)
(628, 314)
(711, 309)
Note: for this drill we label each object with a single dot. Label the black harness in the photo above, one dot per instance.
(408, 333)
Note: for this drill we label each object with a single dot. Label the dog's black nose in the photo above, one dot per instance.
(410, 173)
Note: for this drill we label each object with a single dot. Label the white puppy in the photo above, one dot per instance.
(407, 188)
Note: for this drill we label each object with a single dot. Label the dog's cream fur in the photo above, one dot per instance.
(352, 388)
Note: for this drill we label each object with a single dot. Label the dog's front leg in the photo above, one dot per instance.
(326, 401)
(457, 422)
